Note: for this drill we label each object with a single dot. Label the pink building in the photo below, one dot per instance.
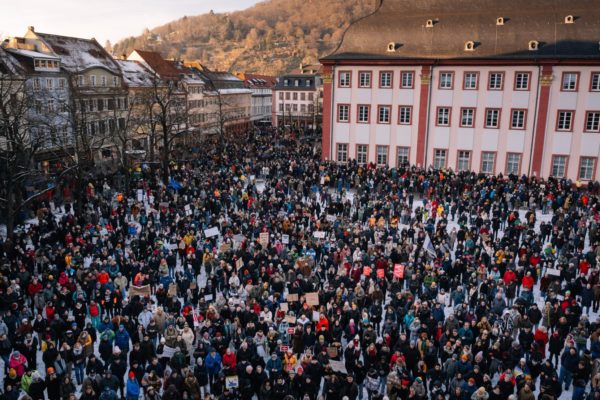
(508, 87)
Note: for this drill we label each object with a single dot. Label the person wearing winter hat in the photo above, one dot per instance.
(133, 387)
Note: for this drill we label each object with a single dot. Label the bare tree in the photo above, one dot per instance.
(18, 148)
(166, 117)
(225, 112)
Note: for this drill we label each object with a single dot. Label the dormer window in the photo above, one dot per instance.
(391, 47)
(500, 21)
(296, 82)
(308, 82)
(429, 23)
(470, 46)
(569, 19)
(534, 45)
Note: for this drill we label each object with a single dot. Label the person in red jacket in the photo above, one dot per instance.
(528, 282)
(541, 338)
(323, 322)
(34, 287)
(509, 276)
(229, 360)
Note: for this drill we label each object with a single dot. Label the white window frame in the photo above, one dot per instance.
(488, 161)
(463, 160)
(446, 80)
(496, 81)
(443, 116)
(405, 115)
(402, 155)
(363, 116)
(586, 171)
(343, 116)
(595, 82)
(559, 166)
(489, 118)
(471, 79)
(342, 152)
(564, 121)
(384, 114)
(381, 154)
(385, 79)
(522, 81)
(407, 79)
(364, 79)
(440, 157)
(513, 166)
(592, 121)
(345, 78)
(468, 115)
(518, 119)
(569, 82)
(362, 154)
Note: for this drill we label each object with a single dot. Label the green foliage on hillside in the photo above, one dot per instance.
(273, 37)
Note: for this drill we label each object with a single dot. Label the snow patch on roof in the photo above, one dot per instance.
(78, 54)
(135, 74)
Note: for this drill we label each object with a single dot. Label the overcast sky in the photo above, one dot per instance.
(102, 19)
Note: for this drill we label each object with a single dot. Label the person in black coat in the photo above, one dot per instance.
(350, 388)
(52, 384)
(36, 388)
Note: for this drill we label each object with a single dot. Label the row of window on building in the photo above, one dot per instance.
(518, 117)
(294, 108)
(49, 83)
(102, 104)
(93, 81)
(49, 64)
(297, 82)
(261, 110)
(470, 81)
(587, 165)
(302, 96)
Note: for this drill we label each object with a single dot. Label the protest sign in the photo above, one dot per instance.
(210, 232)
(142, 291)
(312, 299)
(338, 366)
(398, 271)
(232, 382)
(553, 271)
(292, 297)
(168, 352)
(264, 239)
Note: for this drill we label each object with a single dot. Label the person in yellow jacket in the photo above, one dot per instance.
(289, 360)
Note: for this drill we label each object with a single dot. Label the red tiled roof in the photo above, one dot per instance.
(164, 68)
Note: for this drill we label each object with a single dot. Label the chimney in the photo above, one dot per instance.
(31, 28)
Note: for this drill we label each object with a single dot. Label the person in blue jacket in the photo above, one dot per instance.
(133, 387)
(213, 365)
(274, 366)
(122, 339)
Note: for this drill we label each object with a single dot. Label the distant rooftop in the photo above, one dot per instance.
(467, 29)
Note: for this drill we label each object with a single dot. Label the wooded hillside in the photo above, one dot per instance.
(272, 37)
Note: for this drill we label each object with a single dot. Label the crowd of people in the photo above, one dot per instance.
(261, 272)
